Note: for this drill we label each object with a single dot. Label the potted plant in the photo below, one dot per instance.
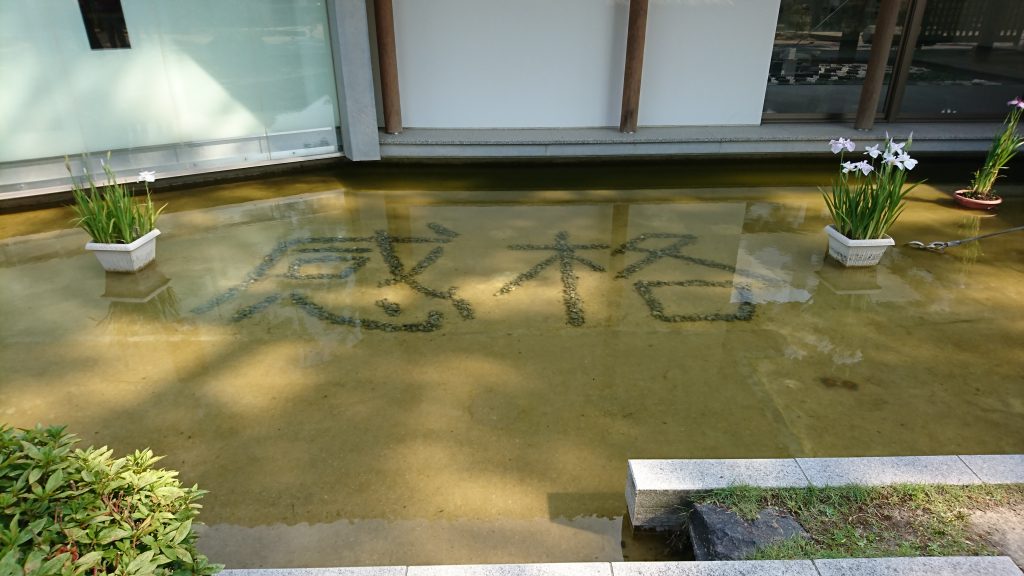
(865, 200)
(1005, 146)
(123, 230)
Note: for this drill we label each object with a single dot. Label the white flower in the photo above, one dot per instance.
(895, 147)
(873, 151)
(1016, 102)
(888, 157)
(907, 161)
(864, 166)
(841, 144)
(146, 175)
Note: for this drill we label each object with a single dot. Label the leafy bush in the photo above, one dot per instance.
(70, 512)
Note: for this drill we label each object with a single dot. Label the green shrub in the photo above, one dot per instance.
(69, 512)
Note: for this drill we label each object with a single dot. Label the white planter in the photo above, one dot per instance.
(126, 257)
(856, 252)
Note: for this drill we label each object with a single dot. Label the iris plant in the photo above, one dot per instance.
(867, 196)
(108, 212)
(1005, 146)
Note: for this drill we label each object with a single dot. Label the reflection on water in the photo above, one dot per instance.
(365, 377)
(139, 300)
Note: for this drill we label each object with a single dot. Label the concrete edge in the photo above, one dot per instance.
(919, 566)
(655, 488)
(913, 566)
(996, 468)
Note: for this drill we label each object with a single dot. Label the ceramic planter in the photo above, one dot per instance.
(973, 203)
(126, 257)
(856, 252)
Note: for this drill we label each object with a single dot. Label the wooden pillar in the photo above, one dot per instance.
(635, 38)
(871, 91)
(901, 71)
(387, 61)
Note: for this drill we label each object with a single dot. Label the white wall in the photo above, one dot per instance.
(509, 63)
(559, 63)
(706, 61)
(196, 71)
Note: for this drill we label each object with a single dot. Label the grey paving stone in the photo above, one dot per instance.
(949, 566)
(689, 475)
(563, 569)
(997, 469)
(745, 568)
(659, 486)
(364, 571)
(881, 471)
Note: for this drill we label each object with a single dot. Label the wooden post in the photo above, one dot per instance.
(871, 91)
(901, 71)
(387, 61)
(635, 37)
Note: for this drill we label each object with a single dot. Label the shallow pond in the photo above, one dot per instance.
(366, 374)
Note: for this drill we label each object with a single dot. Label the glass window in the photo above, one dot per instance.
(969, 60)
(205, 84)
(820, 57)
(104, 24)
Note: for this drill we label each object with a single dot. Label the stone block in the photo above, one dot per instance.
(883, 471)
(720, 534)
(655, 488)
(690, 475)
(555, 569)
(747, 568)
(361, 571)
(997, 468)
(931, 566)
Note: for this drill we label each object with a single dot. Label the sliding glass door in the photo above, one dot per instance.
(950, 60)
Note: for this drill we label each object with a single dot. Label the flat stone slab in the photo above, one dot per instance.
(933, 566)
(555, 569)
(362, 571)
(724, 568)
(689, 475)
(655, 488)
(884, 471)
(997, 469)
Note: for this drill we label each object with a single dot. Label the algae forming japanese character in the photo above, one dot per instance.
(565, 255)
(647, 288)
(346, 252)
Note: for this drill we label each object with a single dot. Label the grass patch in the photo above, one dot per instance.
(865, 522)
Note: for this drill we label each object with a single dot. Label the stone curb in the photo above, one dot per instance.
(946, 566)
(655, 488)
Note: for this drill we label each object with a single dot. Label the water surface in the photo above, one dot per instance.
(411, 376)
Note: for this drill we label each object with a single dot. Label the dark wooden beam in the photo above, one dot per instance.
(635, 38)
(871, 91)
(387, 61)
(901, 71)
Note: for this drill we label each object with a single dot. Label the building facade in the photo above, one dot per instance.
(192, 86)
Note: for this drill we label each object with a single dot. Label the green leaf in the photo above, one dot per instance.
(140, 561)
(183, 554)
(182, 531)
(90, 559)
(113, 533)
(55, 480)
